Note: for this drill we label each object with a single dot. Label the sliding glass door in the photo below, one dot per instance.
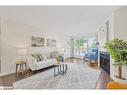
(80, 46)
(84, 45)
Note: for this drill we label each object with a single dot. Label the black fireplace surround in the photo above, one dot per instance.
(105, 61)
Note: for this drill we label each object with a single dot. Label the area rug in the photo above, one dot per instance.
(79, 76)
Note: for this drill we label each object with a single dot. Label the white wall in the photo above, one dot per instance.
(120, 31)
(102, 32)
(110, 35)
(16, 35)
(62, 42)
(117, 29)
(120, 23)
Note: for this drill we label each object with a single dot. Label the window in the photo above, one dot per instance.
(83, 45)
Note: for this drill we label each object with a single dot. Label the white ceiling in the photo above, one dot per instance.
(71, 21)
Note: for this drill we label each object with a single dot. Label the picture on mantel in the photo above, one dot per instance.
(51, 43)
(37, 42)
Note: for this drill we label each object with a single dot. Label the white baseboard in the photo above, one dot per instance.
(6, 73)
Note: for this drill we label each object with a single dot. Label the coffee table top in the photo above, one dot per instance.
(20, 62)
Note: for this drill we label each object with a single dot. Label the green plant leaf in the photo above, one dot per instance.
(118, 51)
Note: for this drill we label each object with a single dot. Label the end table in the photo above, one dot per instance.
(21, 66)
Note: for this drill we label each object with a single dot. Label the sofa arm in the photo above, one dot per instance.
(32, 63)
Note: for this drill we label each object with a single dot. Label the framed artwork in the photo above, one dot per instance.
(37, 42)
(51, 43)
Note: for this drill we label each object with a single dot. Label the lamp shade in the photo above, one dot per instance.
(21, 51)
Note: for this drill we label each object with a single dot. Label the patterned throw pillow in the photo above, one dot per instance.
(36, 56)
(41, 57)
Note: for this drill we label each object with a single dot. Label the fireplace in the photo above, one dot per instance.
(105, 61)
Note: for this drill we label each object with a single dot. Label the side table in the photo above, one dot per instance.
(21, 66)
(60, 69)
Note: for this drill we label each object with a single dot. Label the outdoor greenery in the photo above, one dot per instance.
(118, 51)
(94, 44)
(80, 43)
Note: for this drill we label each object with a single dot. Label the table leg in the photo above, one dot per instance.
(60, 68)
(66, 69)
(16, 68)
(54, 71)
(20, 67)
(63, 69)
(26, 66)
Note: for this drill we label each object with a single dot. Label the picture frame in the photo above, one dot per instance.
(37, 42)
(51, 43)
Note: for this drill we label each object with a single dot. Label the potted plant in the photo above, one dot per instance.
(59, 59)
(118, 51)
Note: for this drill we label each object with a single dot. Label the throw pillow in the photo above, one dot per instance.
(36, 56)
(41, 57)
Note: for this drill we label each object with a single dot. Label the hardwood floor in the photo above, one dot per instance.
(8, 80)
(104, 78)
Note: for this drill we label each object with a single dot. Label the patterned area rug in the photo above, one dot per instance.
(79, 76)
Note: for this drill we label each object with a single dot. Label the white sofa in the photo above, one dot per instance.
(34, 65)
